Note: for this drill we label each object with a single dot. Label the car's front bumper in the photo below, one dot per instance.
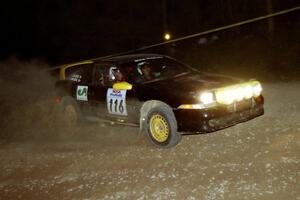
(219, 117)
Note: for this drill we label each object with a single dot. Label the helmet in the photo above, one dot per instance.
(140, 66)
(115, 74)
(112, 72)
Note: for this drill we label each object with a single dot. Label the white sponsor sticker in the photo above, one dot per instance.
(81, 93)
(116, 101)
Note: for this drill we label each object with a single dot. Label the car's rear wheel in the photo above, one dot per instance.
(70, 113)
(162, 127)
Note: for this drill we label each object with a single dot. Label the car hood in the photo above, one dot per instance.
(182, 89)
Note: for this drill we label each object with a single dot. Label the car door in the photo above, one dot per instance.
(112, 104)
(98, 88)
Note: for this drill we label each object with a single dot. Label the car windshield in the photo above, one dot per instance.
(150, 69)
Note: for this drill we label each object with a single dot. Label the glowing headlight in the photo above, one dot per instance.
(207, 97)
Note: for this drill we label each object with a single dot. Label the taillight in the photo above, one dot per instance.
(57, 99)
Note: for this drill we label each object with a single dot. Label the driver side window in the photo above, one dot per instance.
(101, 74)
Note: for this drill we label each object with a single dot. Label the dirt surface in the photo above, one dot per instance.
(259, 159)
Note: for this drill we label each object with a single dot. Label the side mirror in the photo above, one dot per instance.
(122, 86)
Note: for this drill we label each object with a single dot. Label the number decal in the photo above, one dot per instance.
(116, 105)
(110, 105)
(116, 101)
(121, 108)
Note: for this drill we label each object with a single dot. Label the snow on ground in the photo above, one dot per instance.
(259, 159)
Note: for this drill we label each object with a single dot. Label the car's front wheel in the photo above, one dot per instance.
(162, 127)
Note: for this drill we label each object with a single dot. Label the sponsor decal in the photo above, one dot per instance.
(81, 93)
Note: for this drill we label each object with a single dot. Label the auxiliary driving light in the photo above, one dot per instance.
(257, 89)
(238, 92)
(248, 91)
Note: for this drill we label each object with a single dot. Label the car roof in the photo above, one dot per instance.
(130, 57)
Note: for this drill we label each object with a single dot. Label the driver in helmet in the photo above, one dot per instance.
(145, 71)
(116, 75)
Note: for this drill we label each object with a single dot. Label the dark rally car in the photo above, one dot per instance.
(159, 94)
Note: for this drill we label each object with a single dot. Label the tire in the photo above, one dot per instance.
(161, 127)
(69, 112)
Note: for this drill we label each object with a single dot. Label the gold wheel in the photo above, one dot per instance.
(159, 128)
(70, 115)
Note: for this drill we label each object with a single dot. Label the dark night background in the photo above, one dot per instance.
(71, 30)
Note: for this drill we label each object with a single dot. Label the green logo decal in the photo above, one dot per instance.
(82, 92)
